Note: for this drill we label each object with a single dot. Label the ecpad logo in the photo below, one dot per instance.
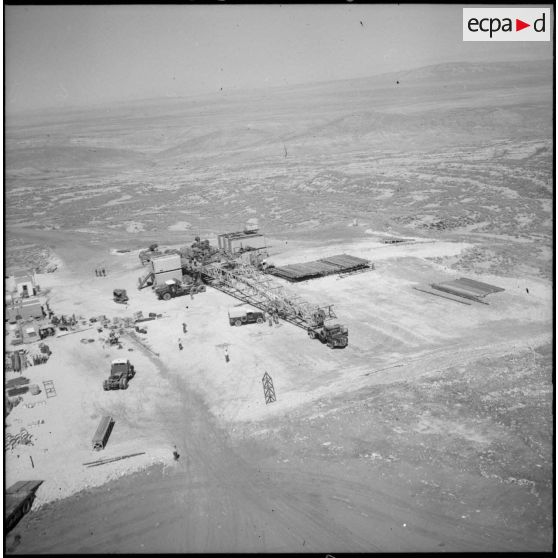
(506, 24)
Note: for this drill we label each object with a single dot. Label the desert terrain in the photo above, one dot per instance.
(431, 432)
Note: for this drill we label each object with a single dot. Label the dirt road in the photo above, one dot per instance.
(222, 496)
(218, 500)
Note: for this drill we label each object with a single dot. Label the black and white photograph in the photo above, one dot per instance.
(279, 278)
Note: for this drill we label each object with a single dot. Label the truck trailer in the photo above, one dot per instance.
(103, 433)
(18, 501)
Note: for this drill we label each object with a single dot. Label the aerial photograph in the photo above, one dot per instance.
(278, 278)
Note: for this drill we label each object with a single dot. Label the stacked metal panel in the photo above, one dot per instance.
(467, 288)
(345, 261)
(319, 268)
(480, 286)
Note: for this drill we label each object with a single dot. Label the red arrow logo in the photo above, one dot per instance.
(519, 25)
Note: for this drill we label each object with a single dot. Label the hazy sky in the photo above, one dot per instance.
(79, 55)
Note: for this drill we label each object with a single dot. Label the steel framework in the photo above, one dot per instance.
(269, 390)
(246, 283)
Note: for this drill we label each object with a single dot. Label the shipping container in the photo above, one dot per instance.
(169, 262)
(102, 434)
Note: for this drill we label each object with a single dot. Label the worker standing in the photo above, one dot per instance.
(183, 327)
(226, 354)
(180, 344)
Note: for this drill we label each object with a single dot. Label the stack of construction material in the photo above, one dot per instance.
(467, 288)
(340, 263)
(18, 391)
(15, 382)
(40, 359)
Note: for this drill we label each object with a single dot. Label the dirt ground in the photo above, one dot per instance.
(431, 432)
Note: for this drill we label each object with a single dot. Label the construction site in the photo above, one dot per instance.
(311, 318)
(215, 316)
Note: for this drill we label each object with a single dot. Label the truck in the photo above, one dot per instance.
(18, 501)
(239, 316)
(121, 371)
(173, 287)
(120, 296)
(334, 335)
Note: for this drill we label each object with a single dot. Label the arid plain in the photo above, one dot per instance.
(432, 431)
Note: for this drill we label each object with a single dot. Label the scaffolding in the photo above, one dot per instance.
(247, 284)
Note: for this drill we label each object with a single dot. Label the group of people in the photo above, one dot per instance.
(100, 272)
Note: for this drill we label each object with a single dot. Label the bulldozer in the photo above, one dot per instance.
(173, 288)
(121, 371)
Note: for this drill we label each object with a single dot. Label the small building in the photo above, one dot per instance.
(241, 241)
(24, 309)
(23, 282)
(29, 332)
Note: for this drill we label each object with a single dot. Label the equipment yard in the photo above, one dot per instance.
(168, 394)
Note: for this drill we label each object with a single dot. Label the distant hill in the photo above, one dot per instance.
(443, 104)
(476, 69)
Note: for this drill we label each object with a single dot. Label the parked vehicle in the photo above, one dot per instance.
(121, 371)
(334, 335)
(239, 316)
(46, 331)
(103, 433)
(173, 288)
(120, 296)
(18, 501)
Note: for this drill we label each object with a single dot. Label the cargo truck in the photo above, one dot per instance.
(18, 501)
